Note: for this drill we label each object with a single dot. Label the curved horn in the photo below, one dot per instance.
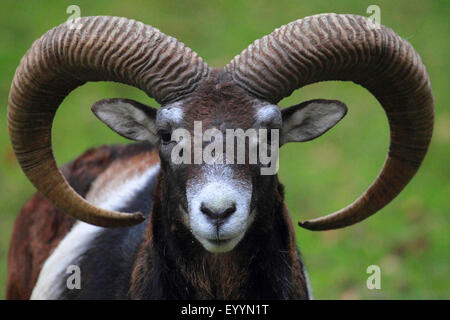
(348, 47)
(103, 49)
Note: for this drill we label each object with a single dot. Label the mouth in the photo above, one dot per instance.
(219, 242)
(217, 245)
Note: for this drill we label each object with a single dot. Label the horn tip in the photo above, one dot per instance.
(120, 221)
(312, 226)
(129, 220)
(138, 217)
(304, 224)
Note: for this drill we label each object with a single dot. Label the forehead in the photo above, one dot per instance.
(220, 103)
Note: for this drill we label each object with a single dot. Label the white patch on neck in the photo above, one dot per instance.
(115, 196)
(52, 278)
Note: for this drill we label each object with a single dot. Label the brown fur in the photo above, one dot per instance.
(40, 226)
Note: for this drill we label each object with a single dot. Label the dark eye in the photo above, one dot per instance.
(165, 135)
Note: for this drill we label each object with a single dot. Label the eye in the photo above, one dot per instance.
(165, 135)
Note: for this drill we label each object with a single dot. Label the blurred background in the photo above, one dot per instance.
(409, 239)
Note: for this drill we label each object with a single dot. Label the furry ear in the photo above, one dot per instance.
(130, 119)
(309, 120)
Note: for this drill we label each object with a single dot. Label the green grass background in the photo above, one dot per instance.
(409, 239)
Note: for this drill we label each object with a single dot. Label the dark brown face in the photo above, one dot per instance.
(219, 151)
(214, 181)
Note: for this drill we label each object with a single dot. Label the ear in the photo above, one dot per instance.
(130, 119)
(310, 119)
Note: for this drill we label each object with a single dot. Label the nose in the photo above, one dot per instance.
(218, 212)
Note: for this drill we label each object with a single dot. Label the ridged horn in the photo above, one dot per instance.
(89, 49)
(348, 47)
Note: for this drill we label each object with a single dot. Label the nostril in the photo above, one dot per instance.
(206, 211)
(217, 214)
(228, 212)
